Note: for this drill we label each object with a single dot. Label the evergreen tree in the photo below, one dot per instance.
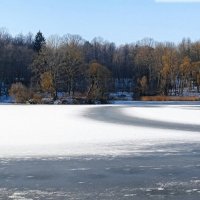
(39, 42)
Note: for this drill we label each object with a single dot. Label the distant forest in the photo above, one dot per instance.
(33, 67)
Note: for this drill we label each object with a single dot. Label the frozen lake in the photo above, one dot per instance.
(135, 151)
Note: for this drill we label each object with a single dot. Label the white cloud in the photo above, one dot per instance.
(177, 1)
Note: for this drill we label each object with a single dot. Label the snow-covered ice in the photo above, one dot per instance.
(64, 131)
(168, 113)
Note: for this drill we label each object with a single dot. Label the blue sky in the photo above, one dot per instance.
(120, 21)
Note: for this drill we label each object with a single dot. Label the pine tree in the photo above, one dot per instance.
(39, 42)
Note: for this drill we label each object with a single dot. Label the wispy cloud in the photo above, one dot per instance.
(177, 1)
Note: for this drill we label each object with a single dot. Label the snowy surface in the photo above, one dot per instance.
(64, 131)
(170, 113)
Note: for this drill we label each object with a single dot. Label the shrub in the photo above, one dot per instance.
(19, 92)
(35, 98)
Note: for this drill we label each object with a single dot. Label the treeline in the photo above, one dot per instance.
(93, 69)
(16, 55)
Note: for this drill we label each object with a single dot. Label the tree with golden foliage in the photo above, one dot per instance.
(46, 82)
(144, 85)
(185, 73)
(169, 71)
(99, 77)
(196, 74)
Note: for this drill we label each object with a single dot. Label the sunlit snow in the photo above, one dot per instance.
(64, 131)
(171, 113)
